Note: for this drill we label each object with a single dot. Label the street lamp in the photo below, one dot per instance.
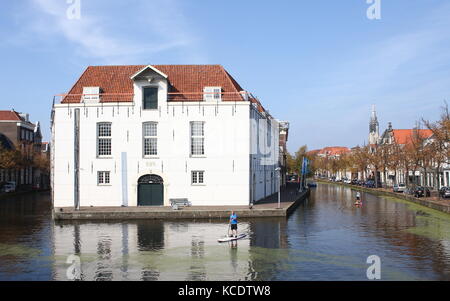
(278, 170)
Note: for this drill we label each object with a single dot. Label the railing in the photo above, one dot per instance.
(95, 98)
(171, 96)
(209, 96)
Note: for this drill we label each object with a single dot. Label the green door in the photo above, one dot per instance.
(151, 194)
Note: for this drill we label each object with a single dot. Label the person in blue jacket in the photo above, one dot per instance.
(233, 223)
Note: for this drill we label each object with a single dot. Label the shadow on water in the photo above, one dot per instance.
(326, 238)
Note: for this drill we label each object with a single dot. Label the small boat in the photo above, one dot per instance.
(231, 238)
(312, 184)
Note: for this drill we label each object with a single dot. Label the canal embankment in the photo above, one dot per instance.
(290, 199)
(440, 205)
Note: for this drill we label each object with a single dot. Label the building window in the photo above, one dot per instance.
(212, 94)
(150, 98)
(197, 138)
(103, 178)
(104, 139)
(91, 94)
(150, 134)
(198, 177)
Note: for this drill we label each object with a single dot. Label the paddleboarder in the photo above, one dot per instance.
(233, 223)
(358, 199)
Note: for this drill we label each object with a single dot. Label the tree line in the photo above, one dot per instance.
(14, 159)
(421, 153)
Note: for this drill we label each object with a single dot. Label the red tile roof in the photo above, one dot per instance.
(9, 116)
(182, 79)
(313, 152)
(405, 136)
(334, 150)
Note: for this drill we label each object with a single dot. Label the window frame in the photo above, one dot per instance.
(143, 97)
(91, 94)
(104, 138)
(145, 137)
(210, 94)
(197, 174)
(103, 175)
(192, 137)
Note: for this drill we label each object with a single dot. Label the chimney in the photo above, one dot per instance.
(25, 116)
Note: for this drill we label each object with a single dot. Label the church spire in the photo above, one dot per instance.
(373, 127)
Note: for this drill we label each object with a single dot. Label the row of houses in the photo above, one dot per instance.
(143, 135)
(18, 133)
(390, 136)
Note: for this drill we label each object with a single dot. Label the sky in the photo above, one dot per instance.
(318, 64)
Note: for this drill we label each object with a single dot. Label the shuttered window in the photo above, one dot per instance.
(212, 94)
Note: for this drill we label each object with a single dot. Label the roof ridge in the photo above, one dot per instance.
(228, 78)
(81, 76)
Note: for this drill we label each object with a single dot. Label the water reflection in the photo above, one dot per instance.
(326, 238)
(152, 250)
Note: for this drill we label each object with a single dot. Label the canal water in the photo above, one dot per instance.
(326, 238)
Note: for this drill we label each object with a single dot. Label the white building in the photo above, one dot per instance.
(142, 135)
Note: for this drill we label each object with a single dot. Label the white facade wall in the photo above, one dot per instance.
(226, 162)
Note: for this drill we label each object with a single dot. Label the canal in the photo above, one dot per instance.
(326, 238)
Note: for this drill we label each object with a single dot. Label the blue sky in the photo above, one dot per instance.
(318, 64)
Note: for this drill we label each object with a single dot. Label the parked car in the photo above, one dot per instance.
(444, 192)
(8, 187)
(409, 191)
(292, 178)
(369, 184)
(312, 184)
(347, 181)
(422, 191)
(355, 182)
(399, 187)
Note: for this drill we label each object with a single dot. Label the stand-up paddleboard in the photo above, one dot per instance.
(231, 238)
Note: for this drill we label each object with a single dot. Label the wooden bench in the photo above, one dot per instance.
(179, 203)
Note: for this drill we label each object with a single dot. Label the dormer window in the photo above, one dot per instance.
(150, 98)
(212, 94)
(91, 94)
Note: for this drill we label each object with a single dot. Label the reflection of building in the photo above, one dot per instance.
(150, 250)
(142, 135)
(19, 133)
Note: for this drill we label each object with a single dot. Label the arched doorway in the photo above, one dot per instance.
(150, 191)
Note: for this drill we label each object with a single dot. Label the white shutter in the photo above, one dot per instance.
(91, 94)
(207, 94)
(212, 94)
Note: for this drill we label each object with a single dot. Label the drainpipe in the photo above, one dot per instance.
(76, 157)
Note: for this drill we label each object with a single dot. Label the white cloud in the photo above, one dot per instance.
(123, 34)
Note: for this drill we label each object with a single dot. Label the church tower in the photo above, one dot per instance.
(373, 127)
